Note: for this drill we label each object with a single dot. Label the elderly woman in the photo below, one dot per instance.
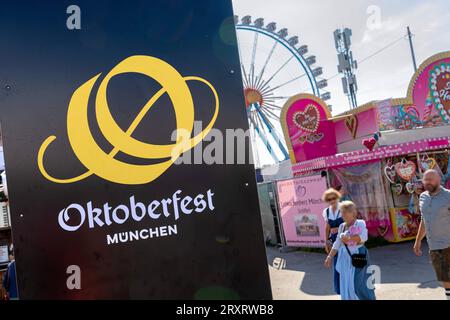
(352, 234)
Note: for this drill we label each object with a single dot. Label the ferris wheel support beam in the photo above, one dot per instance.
(272, 131)
(264, 140)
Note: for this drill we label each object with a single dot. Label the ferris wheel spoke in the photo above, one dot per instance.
(260, 85)
(270, 114)
(269, 102)
(275, 111)
(278, 97)
(263, 69)
(245, 78)
(273, 106)
(252, 64)
(283, 84)
(244, 73)
(276, 72)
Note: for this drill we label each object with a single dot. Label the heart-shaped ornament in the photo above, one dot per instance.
(440, 89)
(351, 122)
(382, 230)
(319, 136)
(410, 187)
(418, 186)
(302, 139)
(405, 170)
(308, 120)
(389, 172)
(397, 189)
(428, 163)
(369, 143)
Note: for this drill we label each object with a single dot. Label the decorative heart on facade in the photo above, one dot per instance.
(369, 143)
(382, 230)
(440, 89)
(302, 139)
(410, 187)
(397, 189)
(319, 136)
(308, 120)
(426, 164)
(389, 172)
(405, 170)
(351, 122)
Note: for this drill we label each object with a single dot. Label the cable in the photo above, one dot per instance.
(373, 54)
(382, 49)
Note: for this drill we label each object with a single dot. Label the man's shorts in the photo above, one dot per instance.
(441, 263)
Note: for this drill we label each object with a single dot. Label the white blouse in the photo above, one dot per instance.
(363, 235)
(333, 214)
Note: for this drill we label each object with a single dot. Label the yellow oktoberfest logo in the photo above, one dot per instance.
(104, 164)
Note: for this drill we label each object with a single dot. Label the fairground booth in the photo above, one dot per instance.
(374, 154)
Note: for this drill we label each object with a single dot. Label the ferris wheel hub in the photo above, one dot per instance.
(252, 96)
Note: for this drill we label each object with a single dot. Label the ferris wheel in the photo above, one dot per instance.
(274, 67)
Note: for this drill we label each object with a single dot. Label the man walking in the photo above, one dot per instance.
(435, 223)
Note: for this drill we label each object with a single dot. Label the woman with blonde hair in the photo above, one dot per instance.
(333, 218)
(352, 261)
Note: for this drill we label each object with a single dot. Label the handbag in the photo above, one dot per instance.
(359, 260)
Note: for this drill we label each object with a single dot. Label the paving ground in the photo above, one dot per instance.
(301, 275)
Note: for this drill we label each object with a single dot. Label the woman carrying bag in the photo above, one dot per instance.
(353, 258)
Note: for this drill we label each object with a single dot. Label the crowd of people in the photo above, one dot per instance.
(346, 236)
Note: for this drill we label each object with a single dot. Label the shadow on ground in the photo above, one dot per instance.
(397, 262)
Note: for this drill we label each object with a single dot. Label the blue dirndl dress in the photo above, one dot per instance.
(334, 224)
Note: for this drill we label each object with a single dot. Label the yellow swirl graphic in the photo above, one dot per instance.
(104, 164)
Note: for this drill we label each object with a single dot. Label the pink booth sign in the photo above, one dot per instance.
(430, 87)
(307, 129)
(301, 207)
(356, 126)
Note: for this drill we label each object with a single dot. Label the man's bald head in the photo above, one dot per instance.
(431, 180)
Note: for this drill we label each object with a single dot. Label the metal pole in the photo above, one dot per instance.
(412, 48)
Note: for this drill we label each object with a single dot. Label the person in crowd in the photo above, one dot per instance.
(349, 245)
(333, 219)
(9, 279)
(435, 224)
